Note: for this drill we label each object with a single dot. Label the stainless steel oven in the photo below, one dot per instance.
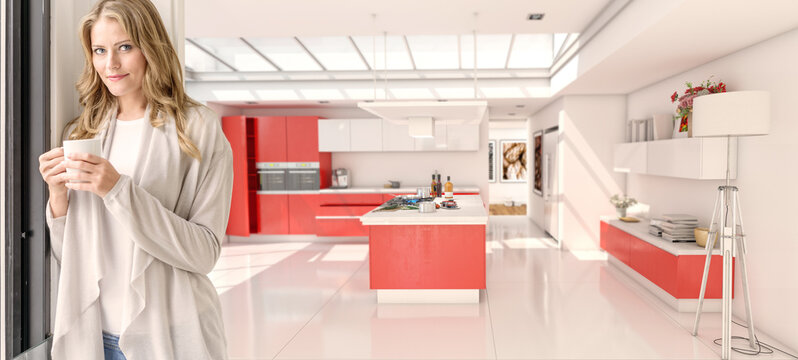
(272, 176)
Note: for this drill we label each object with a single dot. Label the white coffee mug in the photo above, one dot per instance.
(91, 146)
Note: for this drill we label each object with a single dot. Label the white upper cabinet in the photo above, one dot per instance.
(376, 135)
(334, 135)
(366, 134)
(462, 137)
(396, 137)
(688, 158)
(435, 143)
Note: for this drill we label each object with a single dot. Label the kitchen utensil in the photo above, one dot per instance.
(422, 192)
(426, 207)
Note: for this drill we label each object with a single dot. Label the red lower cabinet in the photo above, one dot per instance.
(273, 214)
(302, 213)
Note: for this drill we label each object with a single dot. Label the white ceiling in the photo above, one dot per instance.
(286, 18)
(668, 40)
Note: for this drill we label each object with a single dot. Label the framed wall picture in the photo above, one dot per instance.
(491, 161)
(514, 163)
(538, 146)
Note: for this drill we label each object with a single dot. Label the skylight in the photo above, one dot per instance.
(235, 53)
(434, 52)
(492, 51)
(334, 53)
(398, 57)
(286, 53)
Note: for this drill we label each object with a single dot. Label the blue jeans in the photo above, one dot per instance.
(111, 347)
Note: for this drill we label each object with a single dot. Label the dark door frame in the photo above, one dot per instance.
(27, 50)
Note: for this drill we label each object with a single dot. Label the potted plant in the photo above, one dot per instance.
(684, 109)
(621, 204)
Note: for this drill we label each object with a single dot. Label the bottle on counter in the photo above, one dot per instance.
(440, 187)
(433, 189)
(448, 189)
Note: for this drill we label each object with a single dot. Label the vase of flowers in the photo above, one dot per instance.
(684, 109)
(621, 204)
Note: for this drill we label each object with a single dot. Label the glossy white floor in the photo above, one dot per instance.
(310, 300)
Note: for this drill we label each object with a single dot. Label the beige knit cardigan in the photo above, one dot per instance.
(174, 209)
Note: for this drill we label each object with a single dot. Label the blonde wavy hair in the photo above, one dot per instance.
(163, 79)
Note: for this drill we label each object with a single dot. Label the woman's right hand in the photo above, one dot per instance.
(51, 167)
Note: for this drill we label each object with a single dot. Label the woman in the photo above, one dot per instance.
(137, 236)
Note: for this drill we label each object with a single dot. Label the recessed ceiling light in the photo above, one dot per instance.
(536, 16)
(324, 102)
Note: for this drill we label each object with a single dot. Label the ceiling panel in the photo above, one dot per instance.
(236, 53)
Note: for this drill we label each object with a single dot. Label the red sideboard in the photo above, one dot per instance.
(674, 268)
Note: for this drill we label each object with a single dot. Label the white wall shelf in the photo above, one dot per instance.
(689, 158)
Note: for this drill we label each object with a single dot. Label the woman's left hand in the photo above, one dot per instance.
(97, 174)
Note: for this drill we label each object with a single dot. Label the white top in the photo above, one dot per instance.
(402, 190)
(471, 212)
(640, 231)
(117, 247)
(174, 209)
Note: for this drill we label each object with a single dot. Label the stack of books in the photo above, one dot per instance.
(674, 227)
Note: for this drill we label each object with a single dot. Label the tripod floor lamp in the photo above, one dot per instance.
(740, 113)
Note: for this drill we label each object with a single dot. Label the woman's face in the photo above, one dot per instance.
(119, 63)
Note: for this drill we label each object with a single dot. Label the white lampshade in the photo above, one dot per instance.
(738, 113)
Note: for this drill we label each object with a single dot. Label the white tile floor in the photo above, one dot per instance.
(310, 300)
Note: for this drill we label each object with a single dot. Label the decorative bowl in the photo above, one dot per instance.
(701, 236)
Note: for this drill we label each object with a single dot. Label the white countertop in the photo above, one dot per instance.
(471, 212)
(380, 190)
(640, 231)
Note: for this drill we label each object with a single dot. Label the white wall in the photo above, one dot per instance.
(766, 177)
(412, 169)
(588, 127)
(502, 191)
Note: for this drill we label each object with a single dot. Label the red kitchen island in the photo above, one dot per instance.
(434, 257)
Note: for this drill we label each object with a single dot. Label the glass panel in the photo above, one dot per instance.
(398, 57)
(559, 38)
(455, 93)
(322, 94)
(335, 53)
(434, 52)
(285, 53)
(233, 95)
(491, 51)
(364, 94)
(531, 51)
(270, 95)
(198, 60)
(412, 93)
(235, 53)
(502, 92)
